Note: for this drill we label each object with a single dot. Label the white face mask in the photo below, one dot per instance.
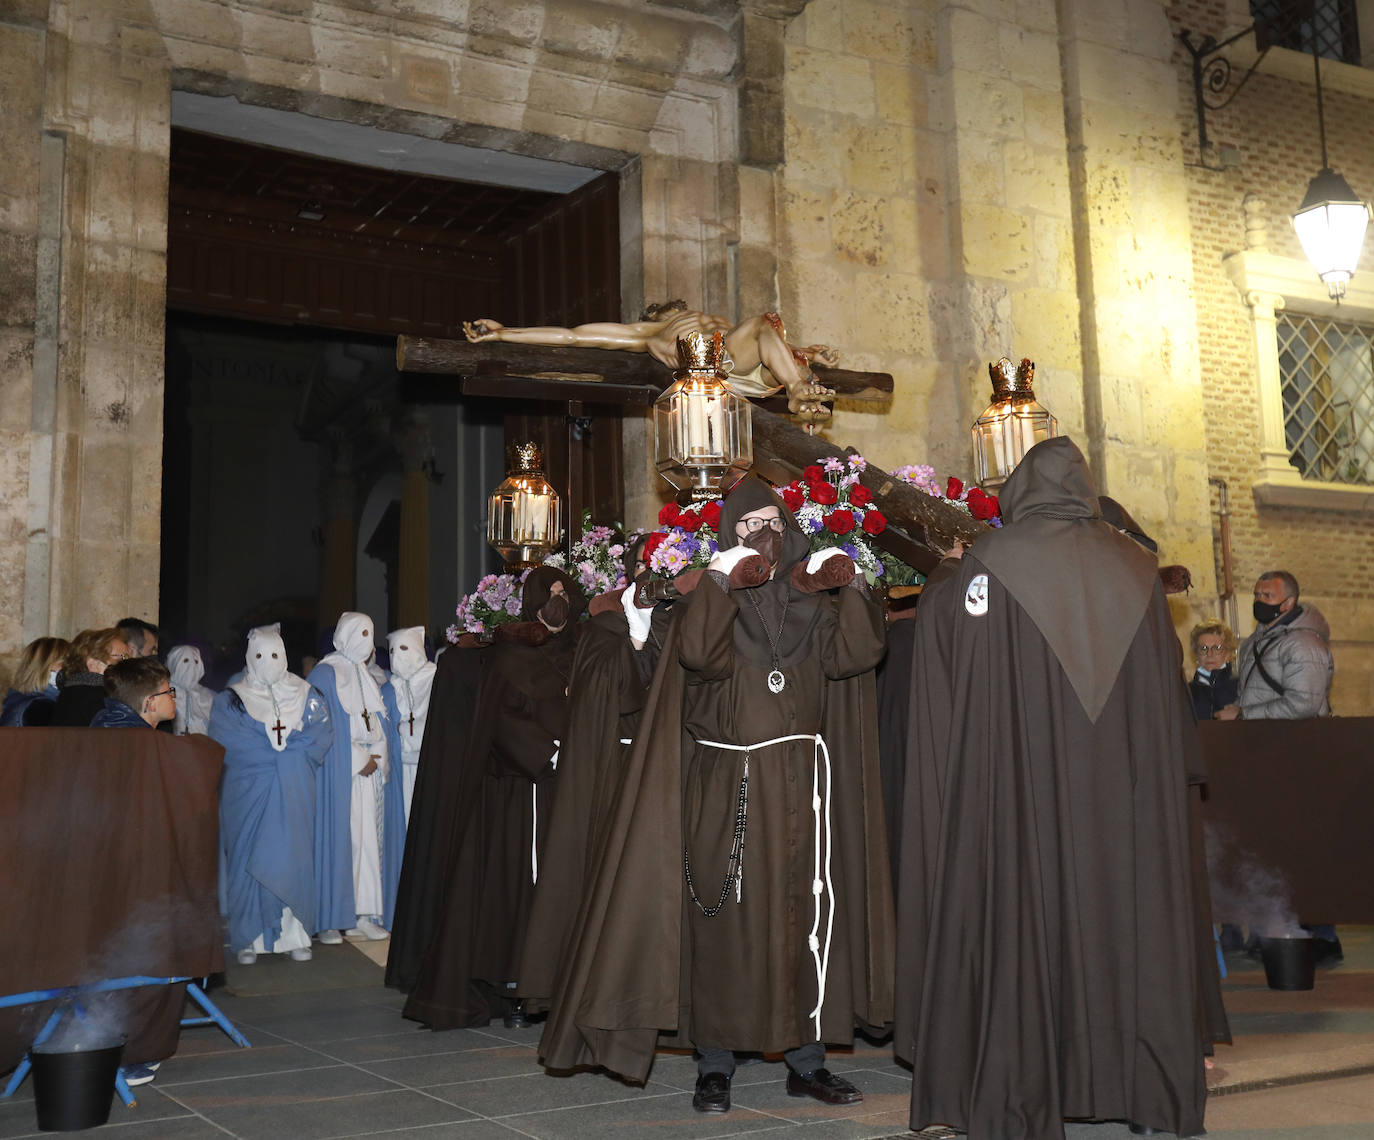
(353, 637)
(52, 678)
(266, 660)
(407, 651)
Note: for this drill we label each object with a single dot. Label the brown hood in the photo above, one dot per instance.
(1082, 582)
(751, 494)
(539, 585)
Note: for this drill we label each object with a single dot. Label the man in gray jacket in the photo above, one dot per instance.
(1285, 672)
(1285, 666)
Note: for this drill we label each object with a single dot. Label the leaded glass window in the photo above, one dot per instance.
(1327, 373)
(1286, 23)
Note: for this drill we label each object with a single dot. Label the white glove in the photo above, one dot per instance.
(638, 618)
(814, 560)
(726, 560)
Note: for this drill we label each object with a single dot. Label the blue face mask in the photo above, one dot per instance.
(1204, 672)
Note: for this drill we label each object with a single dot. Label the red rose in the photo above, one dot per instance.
(954, 488)
(839, 522)
(860, 495)
(824, 493)
(668, 515)
(689, 521)
(792, 497)
(874, 523)
(814, 474)
(982, 505)
(652, 543)
(710, 515)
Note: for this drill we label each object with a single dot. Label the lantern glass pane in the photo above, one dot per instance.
(1332, 234)
(703, 435)
(1004, 433)
(524, 518)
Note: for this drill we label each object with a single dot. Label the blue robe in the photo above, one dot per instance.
(336, 909)
(267, 818)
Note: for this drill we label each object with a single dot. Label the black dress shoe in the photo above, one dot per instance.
(517, 1018)
(713, 1093)
(824, 1086)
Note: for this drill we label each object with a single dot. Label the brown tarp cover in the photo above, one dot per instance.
(1292, 798)
(108, 868)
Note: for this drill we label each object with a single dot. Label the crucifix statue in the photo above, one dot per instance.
(763, 362)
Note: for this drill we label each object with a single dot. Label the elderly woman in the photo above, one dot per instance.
(1214, 685)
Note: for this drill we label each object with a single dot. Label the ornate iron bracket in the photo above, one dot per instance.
(1212, 73)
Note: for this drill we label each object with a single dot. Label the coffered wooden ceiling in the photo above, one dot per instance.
(279, 187)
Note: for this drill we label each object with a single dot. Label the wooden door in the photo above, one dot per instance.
(563, 268)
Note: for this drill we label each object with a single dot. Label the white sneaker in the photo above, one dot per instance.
(303, 954)
(329, 937)
(370, 930)
(247, 957)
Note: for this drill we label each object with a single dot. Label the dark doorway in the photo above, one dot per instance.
(292, 447)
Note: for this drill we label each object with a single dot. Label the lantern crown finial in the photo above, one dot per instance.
(1012, 381)
(699, 352)
(524, 457)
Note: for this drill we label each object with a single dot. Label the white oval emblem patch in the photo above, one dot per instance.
(976, 597)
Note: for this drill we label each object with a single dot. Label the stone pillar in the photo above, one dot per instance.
(412, 602)
(30, 243)
(339, 557)
(1142, 378)
(85, 144)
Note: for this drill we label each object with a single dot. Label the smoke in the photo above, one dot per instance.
(1246, 892)
(141, 947)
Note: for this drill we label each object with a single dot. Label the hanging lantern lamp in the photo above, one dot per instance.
(1013, 423)
(524, 514)
(703, 431)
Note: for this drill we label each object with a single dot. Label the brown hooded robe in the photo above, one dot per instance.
(521, 706)
(1046, 921)
(643, 959)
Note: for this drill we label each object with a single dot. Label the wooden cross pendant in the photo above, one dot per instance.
(279, 728)
(412, 722)
(366, 723)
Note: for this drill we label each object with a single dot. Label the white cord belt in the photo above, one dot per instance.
(534, 817)
(821, 881)
(534, 814)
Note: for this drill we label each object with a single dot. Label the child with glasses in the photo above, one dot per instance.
(138, 694)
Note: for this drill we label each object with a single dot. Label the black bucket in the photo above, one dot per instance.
(1288, 963)
(73, 1089)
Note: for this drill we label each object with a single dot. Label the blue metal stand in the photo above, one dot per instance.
(71, 997)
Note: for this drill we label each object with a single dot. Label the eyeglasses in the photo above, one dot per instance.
(1211, 649)
(115, 658)
(163, 693)
(754, 525)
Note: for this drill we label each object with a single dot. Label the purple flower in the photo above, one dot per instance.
(810, 524)
(512, 606)
(833, 465)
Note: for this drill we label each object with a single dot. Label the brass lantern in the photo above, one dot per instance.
(703, 431)
(1013, 423)
(524, 514)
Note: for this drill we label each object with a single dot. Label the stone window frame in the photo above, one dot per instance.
(1267, 283)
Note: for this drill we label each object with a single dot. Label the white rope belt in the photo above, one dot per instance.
(534, 817)
(534, 814)
(821, 881)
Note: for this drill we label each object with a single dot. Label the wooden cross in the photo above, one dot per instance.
(279, 728)
(366, 723)
(412, 722)
(920, 527)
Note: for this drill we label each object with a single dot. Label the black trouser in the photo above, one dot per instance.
(803, 1059)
